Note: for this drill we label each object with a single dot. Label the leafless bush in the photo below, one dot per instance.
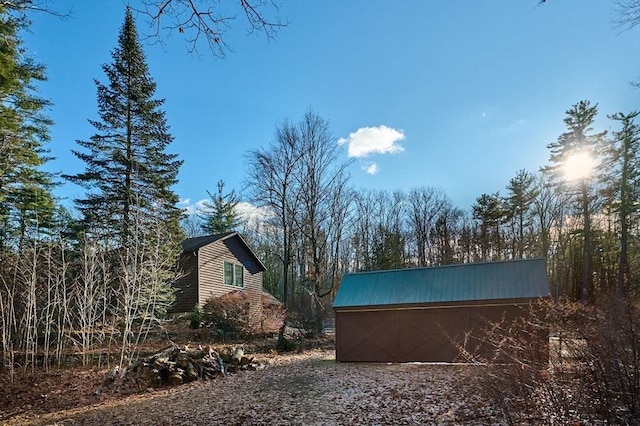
(92, 292)
(309, 315)
(34, 308)
(587, 371)
(55, 296)
(145, 269)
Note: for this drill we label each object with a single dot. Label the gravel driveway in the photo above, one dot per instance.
(309, 389)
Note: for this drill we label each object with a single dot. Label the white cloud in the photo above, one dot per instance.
(373, 140)
(192, 208)
(249, 216)
(371, 169)
(253, 217)
(187, 206)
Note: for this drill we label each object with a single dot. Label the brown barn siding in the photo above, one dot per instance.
(186, 287)
(424, 333)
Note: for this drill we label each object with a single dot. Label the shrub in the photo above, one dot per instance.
(273, 314)
(587, 372)
(230, 314)
(243, 314)
(195, 318)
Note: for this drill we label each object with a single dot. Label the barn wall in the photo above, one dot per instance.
(186, 287)
(407, 334)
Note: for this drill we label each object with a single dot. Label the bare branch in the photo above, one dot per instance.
(207, 24)
(31, 5)
(627, 14)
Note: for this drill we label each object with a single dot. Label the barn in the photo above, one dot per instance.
(420, 314)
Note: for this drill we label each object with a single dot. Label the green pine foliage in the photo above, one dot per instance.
(219, 214)
(522, 192)
(490, 213)
(26, 203)
(577, 139)
(622, 186)
(128, 173)
(130, 207)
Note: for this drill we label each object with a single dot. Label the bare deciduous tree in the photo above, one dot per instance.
(424, 206)
(321, 217)
(272, 184)
(298, 178)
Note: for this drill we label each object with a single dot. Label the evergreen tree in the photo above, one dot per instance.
(219, 215)
(521, 194)
(130, 208)
(26, 203)
(622, 179)
(445, 233)
(388, 251)
(128, 172)
(490, 213)
(578, 140)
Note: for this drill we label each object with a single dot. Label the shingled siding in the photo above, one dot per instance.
(186, 288)
(211, 260)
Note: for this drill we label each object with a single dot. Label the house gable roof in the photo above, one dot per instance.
(514, 279)
(193, 244)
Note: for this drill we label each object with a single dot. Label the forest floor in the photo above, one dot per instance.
(305, 389)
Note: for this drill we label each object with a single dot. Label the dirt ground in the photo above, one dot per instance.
(302, 389)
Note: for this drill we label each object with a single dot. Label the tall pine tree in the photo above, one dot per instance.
(622, 185)
(521, 194)
(578, 140)
(128, 172)
(26, 203)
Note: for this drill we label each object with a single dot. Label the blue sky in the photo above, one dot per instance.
(458, 95)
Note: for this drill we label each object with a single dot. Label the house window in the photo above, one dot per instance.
(233, 274)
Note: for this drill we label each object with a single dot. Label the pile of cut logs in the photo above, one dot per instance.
(175, 366)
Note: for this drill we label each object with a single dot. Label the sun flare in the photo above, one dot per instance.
(578, 166)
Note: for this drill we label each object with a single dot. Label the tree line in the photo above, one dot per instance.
(580, 212)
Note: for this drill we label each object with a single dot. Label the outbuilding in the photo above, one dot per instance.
(425, 314)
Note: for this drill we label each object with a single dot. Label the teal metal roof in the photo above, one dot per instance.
(513, 279)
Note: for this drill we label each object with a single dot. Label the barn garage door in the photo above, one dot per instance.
(410, 334)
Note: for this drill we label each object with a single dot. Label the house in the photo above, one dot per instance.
(421, 314)
(215, 265)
